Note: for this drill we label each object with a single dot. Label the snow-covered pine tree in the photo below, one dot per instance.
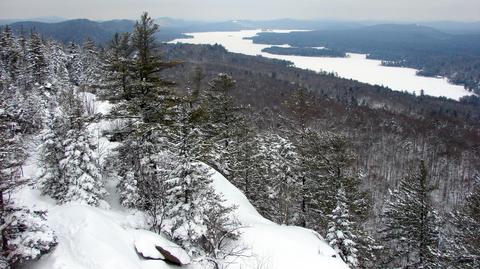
(9, 56)
(246, 162)
(340, 233)
(58, 73)
(149, 95)
(73, 63)
(12, 155)
(3, 79)
(302, 108)
(221, 230)
(142, 100)
(369, 249)
(36, 58)
(411, 224)
(142, 173)
(51, 153)
(195, 209)
(27, 235)
(464, 241)
(117, 65)
(283, 188)
(222, 125)
(24, 234)
(89, 75)
(125, 165)
(152, 186)
(79, 165)
(189, 193)
(325, 165)
(23, 104)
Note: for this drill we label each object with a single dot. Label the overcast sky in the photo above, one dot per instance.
(394, 10)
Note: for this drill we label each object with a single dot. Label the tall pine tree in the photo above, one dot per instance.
(411, 224)
(340, 235)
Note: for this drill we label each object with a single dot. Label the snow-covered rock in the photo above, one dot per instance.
(152, 246)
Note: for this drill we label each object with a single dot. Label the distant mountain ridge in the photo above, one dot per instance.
(51, 19)
(78, 30)
(366, 39)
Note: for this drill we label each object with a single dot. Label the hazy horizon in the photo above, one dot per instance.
(217, 10)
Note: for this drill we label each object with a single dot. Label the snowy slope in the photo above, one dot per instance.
(93, 238)
(105, 238)
(271, 245)
(88, 237)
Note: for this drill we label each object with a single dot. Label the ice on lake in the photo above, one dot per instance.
(355, 66)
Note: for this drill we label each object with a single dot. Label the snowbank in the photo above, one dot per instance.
(90, 238)
(272, 246)
(109, 237)
(93, 238)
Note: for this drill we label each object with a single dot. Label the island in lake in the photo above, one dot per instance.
(309, 52)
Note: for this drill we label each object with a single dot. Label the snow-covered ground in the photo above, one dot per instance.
(272, 245)
(107, 237)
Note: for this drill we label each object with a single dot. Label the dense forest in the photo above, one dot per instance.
(389, 179)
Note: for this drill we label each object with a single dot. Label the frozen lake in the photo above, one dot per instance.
(356, 66)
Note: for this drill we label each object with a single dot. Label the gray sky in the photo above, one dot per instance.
(394, 10)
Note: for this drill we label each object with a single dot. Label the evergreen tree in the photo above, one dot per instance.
(58, 73)
(302, 108)
(126, 165)
(221, 230)
(464, 241)
(246, 165)
(327, 160)
(52, 152)
(369, 249)
(70, 166)
(26, 235)
(340, 234)
(37, 59)
(89, 74)
(74, 65)
(142, 97)
(118, 65)
(222, 125)
(197, 212)
(149, 95)
(280, 172)
(9, 57)
(411, 224)
(80, 167)
(12, 155)
(142, 173)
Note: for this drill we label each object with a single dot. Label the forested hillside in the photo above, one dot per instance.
(388, 179)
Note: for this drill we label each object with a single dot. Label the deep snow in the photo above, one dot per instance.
(106, 237)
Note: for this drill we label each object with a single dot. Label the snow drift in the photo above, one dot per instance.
(95, 238)
(113, 237)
